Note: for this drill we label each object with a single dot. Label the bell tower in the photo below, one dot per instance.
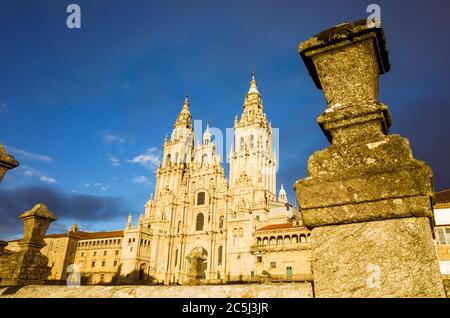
(251, 155)
(178, 152)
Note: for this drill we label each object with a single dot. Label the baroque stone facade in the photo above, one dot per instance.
(442, 232)
(199, 227)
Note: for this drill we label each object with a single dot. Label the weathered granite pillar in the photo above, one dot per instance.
(6, 162)
(29, 265)
(3, 244)
(366, 199)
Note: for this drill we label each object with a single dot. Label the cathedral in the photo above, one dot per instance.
(198, 223)
(199, 227)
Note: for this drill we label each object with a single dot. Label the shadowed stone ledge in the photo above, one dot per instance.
(296, 290)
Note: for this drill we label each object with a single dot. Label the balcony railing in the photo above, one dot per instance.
(280, 248)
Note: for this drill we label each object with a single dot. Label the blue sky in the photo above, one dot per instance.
(79, 108)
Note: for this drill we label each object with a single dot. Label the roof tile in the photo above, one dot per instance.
(442, 197)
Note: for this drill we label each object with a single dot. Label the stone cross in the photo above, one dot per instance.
(366, 199)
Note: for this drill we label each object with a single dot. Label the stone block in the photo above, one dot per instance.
(390, 258)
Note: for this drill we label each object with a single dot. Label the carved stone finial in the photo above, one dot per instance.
(36, 222)
(7, 162)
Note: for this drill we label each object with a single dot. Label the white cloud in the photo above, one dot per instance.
(113, 138)
(28, 173)
(150, 159)
(4, 109)
(141, 180)
(47, 179)
(99, 185)
(28, 155)
(114, 161)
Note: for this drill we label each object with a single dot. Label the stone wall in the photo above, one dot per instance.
(447, 285)
(298, 290)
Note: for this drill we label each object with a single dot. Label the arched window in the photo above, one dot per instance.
(241, 145)
(241, 232)
(221, 222)
(175, 158)
(234, 232)
(168, 159)
(279, 240)
(219, 252)
(201, 198)
(199, 222)
(179, 227)
(176, 257)
(302, 238)
(205, 158)
(252, 141)
(259, 241)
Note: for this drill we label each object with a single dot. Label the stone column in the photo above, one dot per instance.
(6, 162)
(29, 265)
(3, 244)
(366, 199)
(35, 224)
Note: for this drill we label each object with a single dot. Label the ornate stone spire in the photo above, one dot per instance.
(184, 119)
(207, 136)
(282, 197)
(129, 221)
(253, 88)
(253, 108)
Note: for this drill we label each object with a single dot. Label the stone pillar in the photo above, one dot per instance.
(366, 199)
(3, 244)
(29, 265)
(6, 162)
(35, 224)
